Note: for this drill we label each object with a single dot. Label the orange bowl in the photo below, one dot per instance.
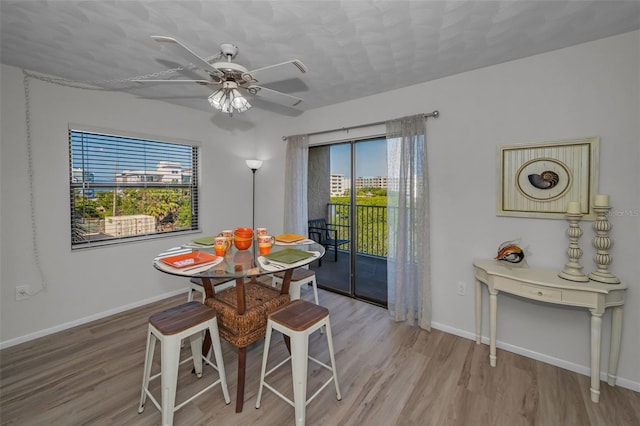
(242, 243)
(244, 231)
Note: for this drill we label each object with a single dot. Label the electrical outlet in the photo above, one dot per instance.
(462, 288)
(22, 292)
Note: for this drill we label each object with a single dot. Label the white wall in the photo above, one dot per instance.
(90, 283)
(588, 90)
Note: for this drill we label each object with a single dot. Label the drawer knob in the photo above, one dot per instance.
(539, 293)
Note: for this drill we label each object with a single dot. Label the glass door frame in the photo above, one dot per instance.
(353, 272)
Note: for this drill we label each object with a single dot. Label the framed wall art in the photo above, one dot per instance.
(539, 180)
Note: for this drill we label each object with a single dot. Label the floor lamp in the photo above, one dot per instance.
(254, 165)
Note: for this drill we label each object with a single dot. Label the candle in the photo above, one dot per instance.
(601, 200)
(573, 207)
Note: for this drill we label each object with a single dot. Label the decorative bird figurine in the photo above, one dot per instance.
(510, 252)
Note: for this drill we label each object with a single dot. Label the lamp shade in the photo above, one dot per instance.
(254, 164)
(228, 98)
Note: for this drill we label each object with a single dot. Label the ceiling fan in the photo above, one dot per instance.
(229, 79)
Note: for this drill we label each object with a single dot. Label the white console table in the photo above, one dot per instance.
(545, 285)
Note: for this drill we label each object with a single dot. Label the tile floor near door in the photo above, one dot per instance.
(371, 275)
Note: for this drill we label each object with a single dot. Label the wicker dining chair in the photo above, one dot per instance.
(242, 313)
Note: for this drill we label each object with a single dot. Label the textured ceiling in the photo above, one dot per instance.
(351, 48)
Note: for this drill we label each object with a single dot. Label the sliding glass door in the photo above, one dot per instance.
(328, 195)
(370, 220)
(356, 210)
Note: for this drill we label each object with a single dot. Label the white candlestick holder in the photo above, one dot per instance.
(572, 269)
(602, 243)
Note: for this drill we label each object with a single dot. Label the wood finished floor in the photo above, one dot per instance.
(389, 373)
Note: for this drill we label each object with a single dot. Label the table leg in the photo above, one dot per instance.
(286, 283)
(614, 350)
(208, 287)
(493, 316)
(242, 302)
(209, 292)
(596, 329)
(478, 311)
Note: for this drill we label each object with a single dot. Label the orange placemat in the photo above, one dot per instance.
(290, 238)
(189, 259)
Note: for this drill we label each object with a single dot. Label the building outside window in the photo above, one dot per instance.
(125, 188)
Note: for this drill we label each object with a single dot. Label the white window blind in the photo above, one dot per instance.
(125, 188)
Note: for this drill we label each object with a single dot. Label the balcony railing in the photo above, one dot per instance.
(370, 233)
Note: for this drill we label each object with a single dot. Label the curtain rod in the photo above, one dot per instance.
(434, 114)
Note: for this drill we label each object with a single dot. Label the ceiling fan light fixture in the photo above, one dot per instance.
(216, 99)
(228, 98)
(239, 102)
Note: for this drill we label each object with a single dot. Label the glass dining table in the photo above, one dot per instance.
(239, 265)
(243, 267)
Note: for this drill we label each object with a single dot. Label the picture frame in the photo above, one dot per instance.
(539, 180)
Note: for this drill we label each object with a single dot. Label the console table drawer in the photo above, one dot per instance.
(527, 290)
(542, 293)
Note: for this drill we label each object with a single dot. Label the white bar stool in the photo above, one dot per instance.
(298, 320)
(170, 327)
(300, 277)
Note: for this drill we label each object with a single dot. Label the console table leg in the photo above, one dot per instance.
(596, 329)
(478, 311)
(614, 350)
(493, 314)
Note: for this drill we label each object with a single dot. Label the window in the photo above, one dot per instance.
(126, 188)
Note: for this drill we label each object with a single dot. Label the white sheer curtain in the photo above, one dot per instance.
(408, 270)
(295, 185)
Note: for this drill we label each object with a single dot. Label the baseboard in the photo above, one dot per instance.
(567, 365)
(80, 321)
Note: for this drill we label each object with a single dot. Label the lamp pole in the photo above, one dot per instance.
(254, 165)
(253, 202)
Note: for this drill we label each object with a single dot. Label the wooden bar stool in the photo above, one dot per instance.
(298, 320)
(170, 327)
(300, 277)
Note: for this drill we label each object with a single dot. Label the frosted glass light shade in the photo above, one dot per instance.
(228, 98)
(254, 164)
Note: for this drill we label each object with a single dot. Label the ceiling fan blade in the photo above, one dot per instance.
(202, 82)
(274, 96)
(188, 54)
(294, 67)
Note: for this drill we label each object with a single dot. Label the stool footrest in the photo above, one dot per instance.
(274, 390)
(320, 363)
(177, 407)
(319, 390)
(277, 392)
(205, 359)
(277, 366)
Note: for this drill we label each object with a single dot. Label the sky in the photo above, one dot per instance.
(371, 158)
(106, 155)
